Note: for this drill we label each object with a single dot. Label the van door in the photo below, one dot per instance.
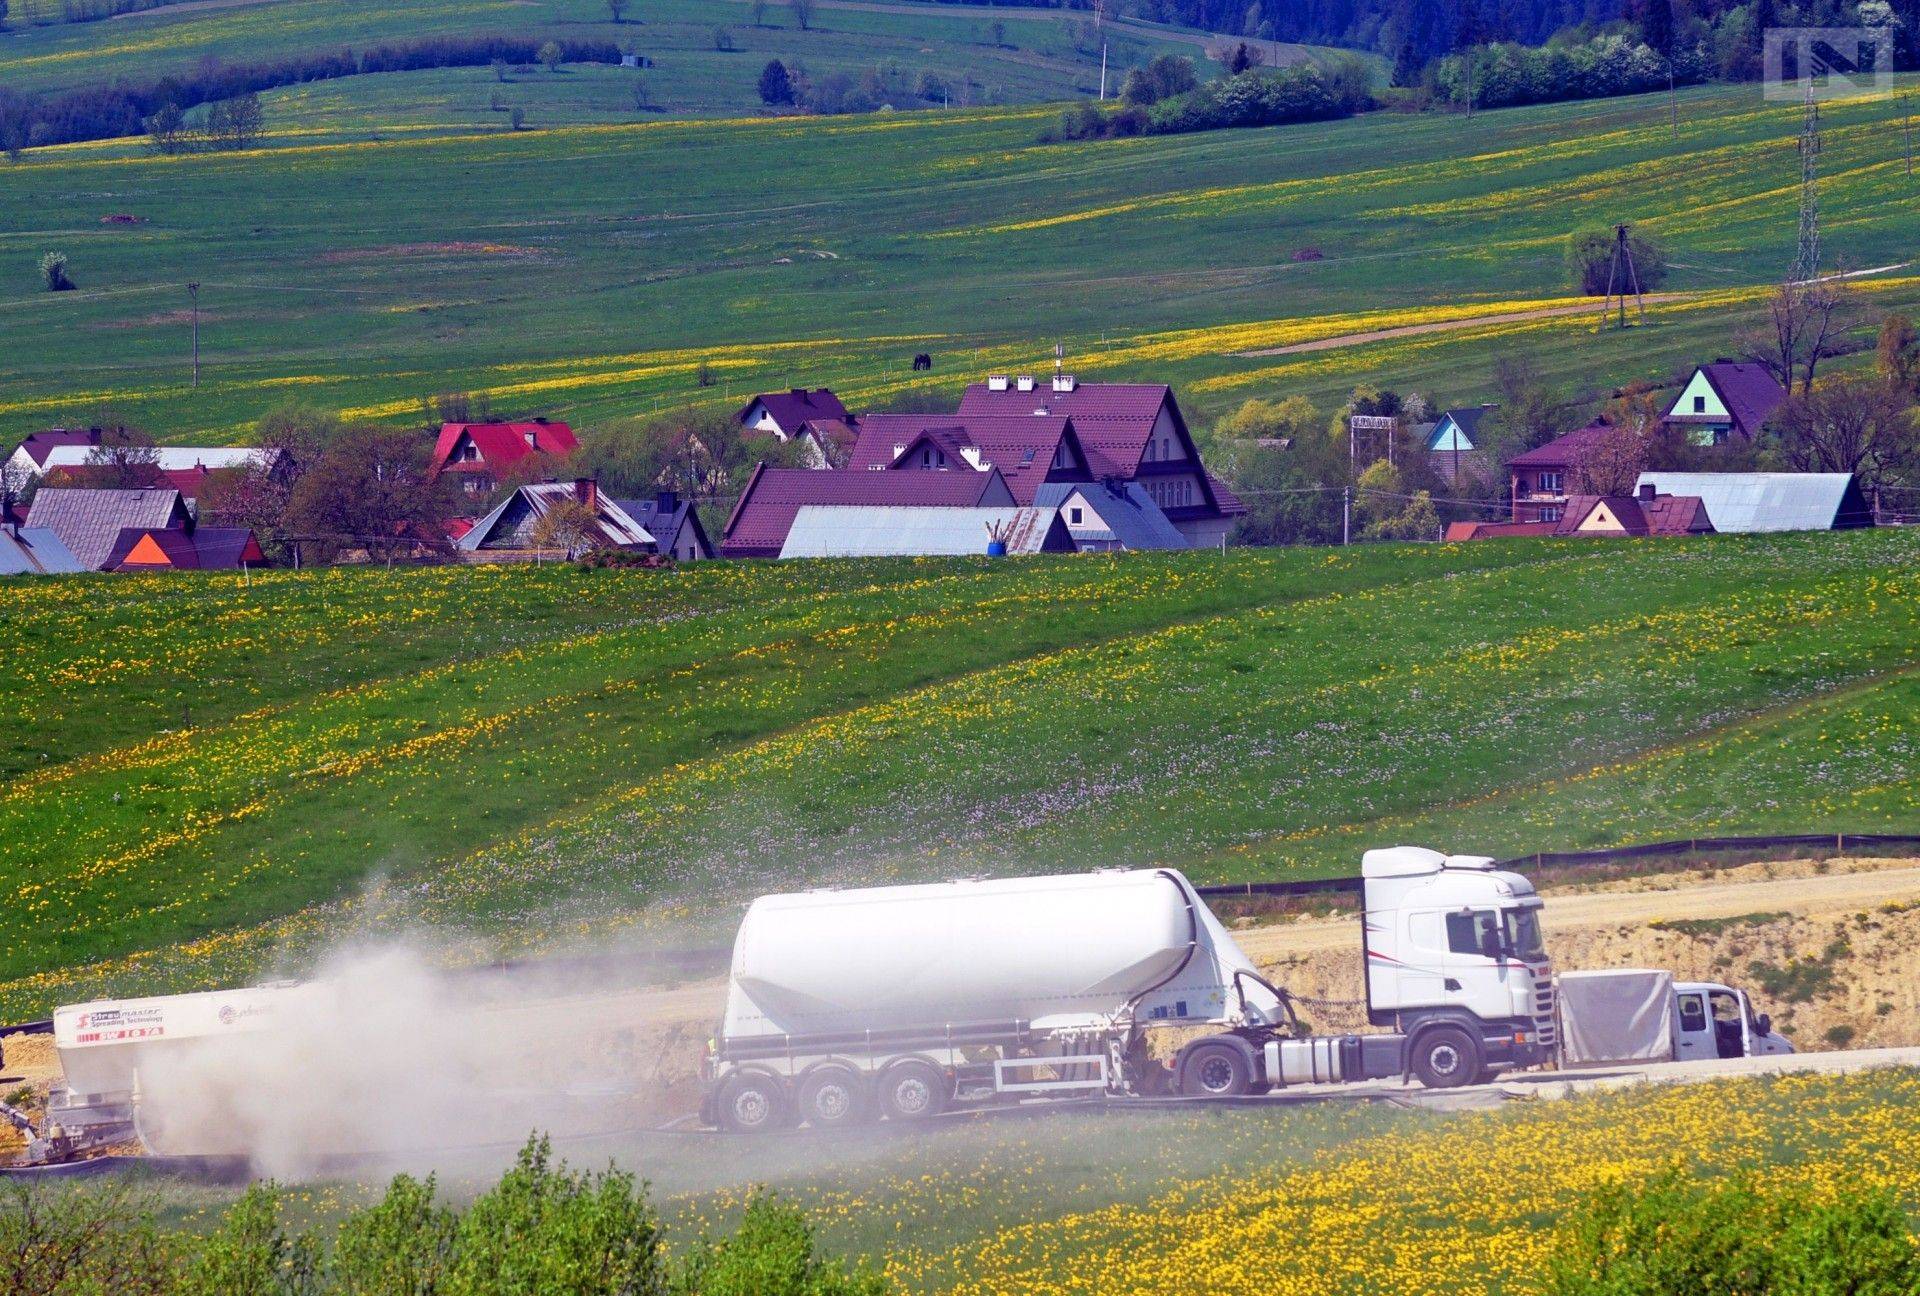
(1693, 1028)
(1729, 1023)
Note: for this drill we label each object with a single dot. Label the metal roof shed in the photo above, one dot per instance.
(34, 551)
(875, 531)
(1771, 501)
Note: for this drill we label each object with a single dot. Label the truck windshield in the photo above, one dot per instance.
(1523, 933)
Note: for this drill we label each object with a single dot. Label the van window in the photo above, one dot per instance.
(1693, 1013)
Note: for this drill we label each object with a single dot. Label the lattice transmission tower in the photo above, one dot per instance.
(1806, 260)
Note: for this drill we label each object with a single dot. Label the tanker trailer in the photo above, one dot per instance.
(904, 1001)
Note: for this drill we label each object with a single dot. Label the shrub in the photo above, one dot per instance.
(723, 38)
(771, 1254)
(551, 55)
(1672, 1237)
(776, 87)
(53, 272)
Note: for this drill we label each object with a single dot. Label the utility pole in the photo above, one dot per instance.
(1103, 71)
(1906, 122)
(1346, 515)
(1630, 281)
(1673, 100)
(1806, 261)
(193, 292)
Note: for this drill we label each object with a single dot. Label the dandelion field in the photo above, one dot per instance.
(590, 270)
(523, 759)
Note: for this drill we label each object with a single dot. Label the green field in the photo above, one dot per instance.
(208, 774)
(589, 271)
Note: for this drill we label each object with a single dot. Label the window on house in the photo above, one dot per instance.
(1073, 516)
(1699, 404)
(1552, 483)
(1549, 515)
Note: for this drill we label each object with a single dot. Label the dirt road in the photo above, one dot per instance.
(1803, 897)
(1440, 326)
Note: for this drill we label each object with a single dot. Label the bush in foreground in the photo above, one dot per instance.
(543, 1228)
(1672, 1237)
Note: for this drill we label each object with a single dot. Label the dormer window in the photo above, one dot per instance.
(1699, 404)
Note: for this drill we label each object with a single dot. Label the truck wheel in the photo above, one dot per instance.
(1446, 1058)
(913, 1091)
(833, 1096)
(751, 1104)
(1216, 1071)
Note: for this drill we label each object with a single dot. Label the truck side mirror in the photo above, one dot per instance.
(1763, 1024)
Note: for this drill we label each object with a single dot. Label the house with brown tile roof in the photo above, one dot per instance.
(1544, 478)
(1029, 450)
(1643, 513)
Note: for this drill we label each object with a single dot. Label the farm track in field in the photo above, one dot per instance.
(1441, 326)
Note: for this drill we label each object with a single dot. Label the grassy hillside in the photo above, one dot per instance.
(1037, 54)
(531, 757)
(589, 271)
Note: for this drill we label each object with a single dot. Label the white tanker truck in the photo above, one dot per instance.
(904, 1001)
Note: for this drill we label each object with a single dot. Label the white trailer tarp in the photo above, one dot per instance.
(1617, 1016)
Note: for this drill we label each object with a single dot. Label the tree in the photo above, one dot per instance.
(500, 69)
(1613, 463)
(1851, 425)
(125, 459)
(1655, 18)
(1806, 323)
(802, 13)
(1388, 510)
(370, 489)
(167, 129)
(1590, 262)
(1239, 57)
(517, 119)
(551, 55)
(776, 87)
(1897, 354)
(570, 525)
(234, 123)
(617, 10)
(1162, 78)
(723, 38)
(999, 30)
(3, 14)
(53, 272)
(758, 11)
(772, 1252)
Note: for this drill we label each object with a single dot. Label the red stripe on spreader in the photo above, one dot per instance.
(1382, 957)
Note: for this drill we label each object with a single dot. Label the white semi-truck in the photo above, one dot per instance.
(846, 1005)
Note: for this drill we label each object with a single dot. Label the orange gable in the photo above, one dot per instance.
(147, 553)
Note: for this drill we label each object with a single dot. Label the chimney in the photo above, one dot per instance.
(1024, 382)
(587, 491)
(666, 501)
(996, 382)
(1646, 492)
(1063, 382)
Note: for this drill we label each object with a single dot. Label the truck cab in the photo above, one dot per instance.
(1717, 1021)
(1453, 939)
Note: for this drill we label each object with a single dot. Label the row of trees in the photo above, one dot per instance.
(1255, 96)
(785, 84)
(1296, 470)
(125, 107)
(234, 123)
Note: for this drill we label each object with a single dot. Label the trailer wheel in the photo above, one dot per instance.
(1446, 1058)
(751, 1104)
(1216, 1071)
(913, 1091)
(833, 1096)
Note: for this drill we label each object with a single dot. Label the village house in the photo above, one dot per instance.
(513, 529)
(1453, 445)
(1028, 451)
(1770, 501)
(74, 457)
(138, 530)
(1646, 512)
(773, 497)
(31, 551)
(875, 531)
(816, 419)
(479, 455)
(1110, 514)
(1130, 431)
(1547, 476)
(1725, 401)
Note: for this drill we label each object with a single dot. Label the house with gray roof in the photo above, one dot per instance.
(512, 529)
(875, 531)
(1110, 514)
(89, 521)
(1770, 501)
(31, 551)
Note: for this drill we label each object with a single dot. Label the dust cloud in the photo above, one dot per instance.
(385, 1060)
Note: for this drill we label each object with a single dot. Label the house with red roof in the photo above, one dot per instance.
(1725, 401)
(1131, 431)
(479, 455)
(764, 515)
(1644, 513)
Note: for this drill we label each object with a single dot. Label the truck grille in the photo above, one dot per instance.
(1543, 1022)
